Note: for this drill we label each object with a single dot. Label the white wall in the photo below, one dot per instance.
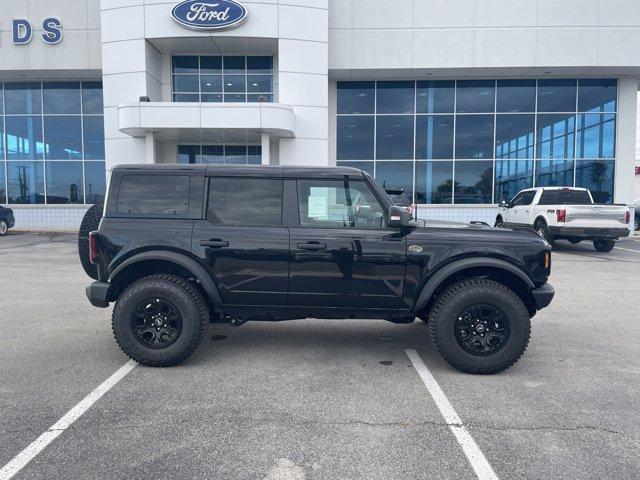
(484, 37)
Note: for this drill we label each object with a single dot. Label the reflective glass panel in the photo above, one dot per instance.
(514, 136)
(597, 95)
(554, 173)
(212, 98)
(516, 96)
(63, 138)
(24, 97)
(434, 136)
(64, 182)
(24, 138)
(211, 64)
(435, 96)
(212, 154)
(94, 176)
(394, 137)
(596, 135)
(557, 95)
(597, 176)
(475, 96)
(434, 182)
(211, 83)
(1, 140)
(188, 153)
(185, 64)
(260, 64)
(1, 98)
(93, 138)
(92, 97)
(556, 136)
(511, 177)
(474, 136)
(61, 97)
(366, 166)
(396, 97)
(186, 97)
(185, 83)
(254, 154)
(235, 154)
(259, 83)
(396, 175)
(234, 64)
(234, 83)
(259, 97)
(26, 182)
(235, 98)
(3, 189)
(355, 138)
(473, 182)
(356, 97)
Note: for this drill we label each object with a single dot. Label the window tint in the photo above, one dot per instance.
(154, 194)
(338, 204)
(517, 200)
(245, 201)
(527, 199)
(560, 197)
(356, 97)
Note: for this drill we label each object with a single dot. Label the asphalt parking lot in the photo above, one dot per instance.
(319, 399)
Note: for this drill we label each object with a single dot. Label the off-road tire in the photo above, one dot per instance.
(542, 229)
(461, 295)
(188, 301)
(604, 245)
(90, 222)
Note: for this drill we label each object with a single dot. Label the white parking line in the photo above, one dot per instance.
(475, 456)
(25, 456)
(627, 249)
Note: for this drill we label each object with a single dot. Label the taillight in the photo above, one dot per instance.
(561, 215)
(93, 251)
(627, 217)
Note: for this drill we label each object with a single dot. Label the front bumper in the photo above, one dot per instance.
(589, 233)
(543, 295)
(97, 294)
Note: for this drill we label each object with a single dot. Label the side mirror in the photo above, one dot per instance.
(398, 217)
(503, 204)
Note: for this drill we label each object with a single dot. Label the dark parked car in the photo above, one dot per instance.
(181, 246)
(7, 220)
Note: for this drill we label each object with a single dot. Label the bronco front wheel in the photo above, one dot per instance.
(479, 326)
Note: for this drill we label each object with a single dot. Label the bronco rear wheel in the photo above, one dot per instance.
(159, 320)
(479, 326)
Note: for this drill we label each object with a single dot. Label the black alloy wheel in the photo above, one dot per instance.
(156, 323)
(482, 329)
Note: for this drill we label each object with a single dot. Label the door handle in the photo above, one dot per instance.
(312, 247)
(214, 243)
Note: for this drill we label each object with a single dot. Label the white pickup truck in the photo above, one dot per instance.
(566, 213)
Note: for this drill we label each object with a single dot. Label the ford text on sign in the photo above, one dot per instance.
(209, 15)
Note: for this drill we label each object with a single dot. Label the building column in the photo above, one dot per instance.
(266, 148)
(150, 148)
(624, 188)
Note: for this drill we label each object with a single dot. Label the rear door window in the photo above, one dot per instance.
(245, 201)
(154, 195)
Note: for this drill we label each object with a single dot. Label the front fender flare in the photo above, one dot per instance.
(198, 271)
(463, 264)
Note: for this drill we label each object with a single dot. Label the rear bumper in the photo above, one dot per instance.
(97, 294)
(589, 233)
(543, 295)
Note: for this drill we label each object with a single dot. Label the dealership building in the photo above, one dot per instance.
(459, 102)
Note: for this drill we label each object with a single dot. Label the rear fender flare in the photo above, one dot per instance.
(198, 271)
(463, 264)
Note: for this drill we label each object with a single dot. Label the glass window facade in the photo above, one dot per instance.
(51, 143)
(220, 154)
(222, 78)
(479, 141)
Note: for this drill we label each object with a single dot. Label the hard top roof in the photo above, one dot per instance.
(288, 171)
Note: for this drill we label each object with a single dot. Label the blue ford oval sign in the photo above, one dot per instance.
(209, 15)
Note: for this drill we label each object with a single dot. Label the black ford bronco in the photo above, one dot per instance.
(179, 247)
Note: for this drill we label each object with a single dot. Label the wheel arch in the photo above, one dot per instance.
(540, 218)
(149, 263)
(494, 268)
